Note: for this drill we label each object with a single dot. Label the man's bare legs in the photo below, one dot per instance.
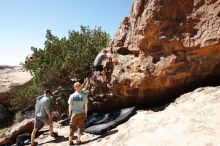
(51, 127)
(33, 135)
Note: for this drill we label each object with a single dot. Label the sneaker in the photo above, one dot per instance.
(35, 144)
(71, 143)
(78, 142)
(54, 134)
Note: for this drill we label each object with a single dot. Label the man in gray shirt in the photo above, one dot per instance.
(98, 63)
(43, 115)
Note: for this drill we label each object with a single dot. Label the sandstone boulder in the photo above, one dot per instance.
(9, 137)
(163, 48)
(12, 77)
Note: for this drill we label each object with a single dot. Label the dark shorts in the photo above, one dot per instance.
(40, 121)
(98, 68)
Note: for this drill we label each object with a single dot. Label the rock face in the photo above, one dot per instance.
(164, 47)
(12, 77)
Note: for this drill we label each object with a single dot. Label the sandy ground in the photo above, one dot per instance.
(192, 120)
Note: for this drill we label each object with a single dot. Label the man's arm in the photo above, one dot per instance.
(86, 104)
(70, 107)
(86, 108)
(47, 109)
(70, 110)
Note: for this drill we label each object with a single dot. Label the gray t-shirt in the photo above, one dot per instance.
(99, 58)
(78, 100)
(42, 106)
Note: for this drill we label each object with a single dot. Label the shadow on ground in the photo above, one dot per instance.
(101, 136)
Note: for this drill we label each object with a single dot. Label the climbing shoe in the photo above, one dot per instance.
(78, 142)
(71, 143)
(54, 134)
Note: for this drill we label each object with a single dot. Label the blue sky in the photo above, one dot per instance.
(23, 23)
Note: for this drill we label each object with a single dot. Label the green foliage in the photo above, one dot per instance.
(18, 117)
(65, 60)
(24, 98)
(2, 109)
(5, 116)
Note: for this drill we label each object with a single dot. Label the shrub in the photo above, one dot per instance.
(3, 111)
(5, 116)
(62, 61)
(24, 98)
(18, 117)
(65, 59)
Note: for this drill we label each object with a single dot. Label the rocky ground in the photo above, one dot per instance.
(193, 119)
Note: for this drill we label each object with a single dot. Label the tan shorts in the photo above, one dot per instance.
(77, 120)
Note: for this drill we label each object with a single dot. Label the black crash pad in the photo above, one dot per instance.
(98, 124)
